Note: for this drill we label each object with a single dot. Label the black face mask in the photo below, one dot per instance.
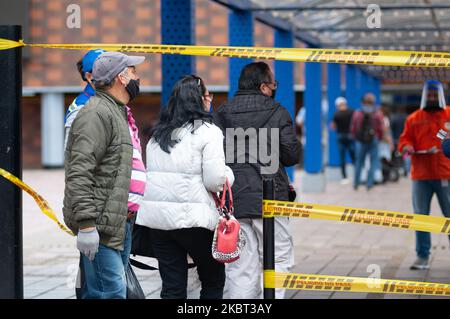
(133, 88)
(274, 92)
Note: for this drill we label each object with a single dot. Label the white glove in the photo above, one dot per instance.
(87, 242)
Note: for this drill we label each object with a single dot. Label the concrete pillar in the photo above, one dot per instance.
(52, 119)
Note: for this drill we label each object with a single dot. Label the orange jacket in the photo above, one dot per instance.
(420, 132)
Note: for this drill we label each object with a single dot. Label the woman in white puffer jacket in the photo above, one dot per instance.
(185, 163)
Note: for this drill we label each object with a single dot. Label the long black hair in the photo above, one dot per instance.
(185, 106)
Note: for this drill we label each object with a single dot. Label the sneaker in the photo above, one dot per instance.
(345, 181)
(420, 264)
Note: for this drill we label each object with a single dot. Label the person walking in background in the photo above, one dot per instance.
(185, 163)
(100, 194)
(367, 129)
(84, 67)
(253, 108)
(430, 169)
(341, 123)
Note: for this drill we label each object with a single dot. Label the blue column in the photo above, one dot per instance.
(333, 92)
(351, 86)
(370, 84)
(240, 33)
(364, 84)
(284, 73)
(313, 118)
(377, 90)
(177, 27)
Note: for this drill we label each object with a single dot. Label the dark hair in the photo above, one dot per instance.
(365, 97)
(185, 106)
(253, 75)
(80, 69)
(101, 85)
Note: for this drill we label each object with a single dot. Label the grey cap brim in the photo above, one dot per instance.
(135, 60)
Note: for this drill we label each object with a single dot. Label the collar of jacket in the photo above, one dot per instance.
(108, 96)
(250, 92)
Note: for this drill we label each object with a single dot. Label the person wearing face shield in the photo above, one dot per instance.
(430, 168)
(103, 174)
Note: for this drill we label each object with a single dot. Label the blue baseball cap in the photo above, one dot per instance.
(89, 59)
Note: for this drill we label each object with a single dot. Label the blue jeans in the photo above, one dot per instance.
(362, 150)
(345, 143)
(105, 275)
(423, 191)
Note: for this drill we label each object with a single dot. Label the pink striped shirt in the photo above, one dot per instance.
(138, 176)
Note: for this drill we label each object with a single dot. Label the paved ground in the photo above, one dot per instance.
(321, 247)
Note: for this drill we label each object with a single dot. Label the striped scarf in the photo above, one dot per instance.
(138, 176)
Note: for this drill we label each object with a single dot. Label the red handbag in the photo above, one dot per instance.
(228, 237)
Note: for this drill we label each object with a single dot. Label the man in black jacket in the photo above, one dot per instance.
(255, 125)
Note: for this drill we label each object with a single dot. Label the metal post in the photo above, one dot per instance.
(284, 73)
(177, 27)
(11, 259)
(351, 88)
(240, 33)
(269, 237)
(333, 92)
(313, 117)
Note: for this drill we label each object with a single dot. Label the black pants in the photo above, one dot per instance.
(171, 248)
(345, 143)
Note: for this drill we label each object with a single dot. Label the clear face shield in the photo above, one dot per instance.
(433, 97)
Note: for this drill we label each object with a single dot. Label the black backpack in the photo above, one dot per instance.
(366, 132)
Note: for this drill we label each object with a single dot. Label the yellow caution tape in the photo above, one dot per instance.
(42, 203)
(273, 208)
(274, 279)
(288, 280)
(366, 57)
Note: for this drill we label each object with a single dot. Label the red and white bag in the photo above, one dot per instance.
(228, 237)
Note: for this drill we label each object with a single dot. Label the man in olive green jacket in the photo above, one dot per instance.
(98, 164)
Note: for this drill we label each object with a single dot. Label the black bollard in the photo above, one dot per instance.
(11, 258)
(269, 237)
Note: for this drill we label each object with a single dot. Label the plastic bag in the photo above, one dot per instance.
(134, 289)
